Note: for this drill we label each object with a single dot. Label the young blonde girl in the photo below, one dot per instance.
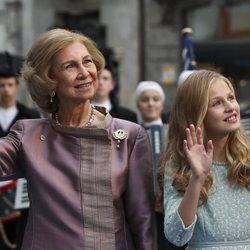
(205, 171)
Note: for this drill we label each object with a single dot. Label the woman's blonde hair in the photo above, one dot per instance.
(37, 66)
(190, 107)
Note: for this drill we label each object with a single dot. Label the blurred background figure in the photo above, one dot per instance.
(11, 110)
(245, 112)
(188, 57)
(150, 99)
(106, 97)
(183, 76)
(13, 222)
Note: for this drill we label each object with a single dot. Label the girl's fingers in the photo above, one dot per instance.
(210, 147)
(189, 140)
(185, 146)
(193, 133)
(193, 136)
(199, 135)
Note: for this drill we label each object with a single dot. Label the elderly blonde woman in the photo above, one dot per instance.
(89, 177)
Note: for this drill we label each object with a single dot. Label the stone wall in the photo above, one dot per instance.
(30, 18)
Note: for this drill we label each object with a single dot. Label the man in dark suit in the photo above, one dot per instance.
(10, 111)
(105, 97)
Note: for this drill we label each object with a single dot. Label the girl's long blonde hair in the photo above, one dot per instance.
(190, 107)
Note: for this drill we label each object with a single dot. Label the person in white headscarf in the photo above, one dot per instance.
(150, 101)
(183, 76)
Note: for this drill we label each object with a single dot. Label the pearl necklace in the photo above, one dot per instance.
(88, 123)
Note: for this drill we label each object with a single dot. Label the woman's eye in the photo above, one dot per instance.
(88, 61)
(156, 99)
(231, 97)
(69, 66)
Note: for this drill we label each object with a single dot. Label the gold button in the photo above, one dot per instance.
(42, 137)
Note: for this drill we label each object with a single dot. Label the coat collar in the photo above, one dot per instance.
(100, 130)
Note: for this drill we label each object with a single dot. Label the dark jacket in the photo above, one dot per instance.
(123, 113)
(23, 113)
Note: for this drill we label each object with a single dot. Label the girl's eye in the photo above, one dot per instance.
(231, 97)
(216, 103)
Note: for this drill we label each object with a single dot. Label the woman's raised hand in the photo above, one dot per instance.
(199, 157)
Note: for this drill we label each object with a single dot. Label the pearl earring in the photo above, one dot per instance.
(52, 94)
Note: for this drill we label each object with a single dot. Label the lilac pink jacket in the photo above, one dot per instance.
(87, 189)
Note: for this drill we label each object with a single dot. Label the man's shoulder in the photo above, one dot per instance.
(124, 113)
(26, 112)
(126, 110)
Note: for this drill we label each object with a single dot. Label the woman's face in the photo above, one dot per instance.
(75, 73)
(223, 111)
(150, 105)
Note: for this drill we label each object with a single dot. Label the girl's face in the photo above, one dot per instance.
(75, 73)
(223, 114)
(150, 105)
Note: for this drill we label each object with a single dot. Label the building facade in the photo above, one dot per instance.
(141, 36)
